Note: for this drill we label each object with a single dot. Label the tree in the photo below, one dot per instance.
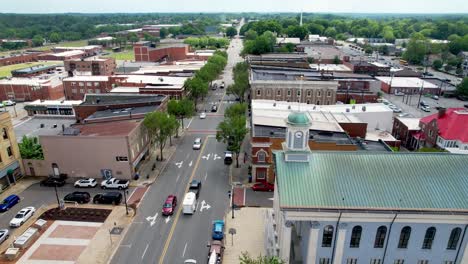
(30, 148)
(197, 89)
(37, 41)
(181, 109)
(416, 49)
(55, 37)
(163, 33)
(437, 64)
(297, 32)
(173, 126)
(250, 35)
(232, 131)
(160, 127)
(336, 60)
(330, 32)
(245, 258)
(236, 110)
(231, 32)
(133, 37)
(241, 81)
(462, 88)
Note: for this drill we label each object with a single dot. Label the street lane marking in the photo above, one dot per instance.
(179, 164)
(185, 248)
(168, 219)
(152, 219)
(191, 119)
(171, 232)
(204, 205)
(128, 246)
(190, 164)
(206, 175)
(144, 252)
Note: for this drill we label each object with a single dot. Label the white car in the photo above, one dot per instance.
(197, 143)
(86, 183)
(9, 103)
(22, 216)
(203, 115)
(4, 234)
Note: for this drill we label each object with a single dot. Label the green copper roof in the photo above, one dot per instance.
(408, 181)
(298, 119)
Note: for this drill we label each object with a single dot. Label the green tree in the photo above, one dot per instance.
(330, 32)
(462, 88)
(37, 41)
(241, 81)
(197, 89)
(133, 37)
(174, 126)
(181, 109)
(30, 148)
(232, 131)
(250, 35)
(245, 258)
(160, 127)
(55, 37)
(236, 110)
(336, 60)
(416, 49)
(297, 32)
(231, 32)
(163, 33)
(437, 64)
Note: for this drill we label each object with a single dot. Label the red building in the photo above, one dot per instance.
(30, 89)
(145, 51)
(374, 69)
(61, 56)
(90, 50)
(91, 65)
(29, 56)
(76, 87)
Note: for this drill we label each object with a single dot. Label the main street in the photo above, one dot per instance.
(152, 238)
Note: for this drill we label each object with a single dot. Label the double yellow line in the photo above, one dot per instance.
(171, 233)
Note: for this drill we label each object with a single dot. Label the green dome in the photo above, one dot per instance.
(298, 119)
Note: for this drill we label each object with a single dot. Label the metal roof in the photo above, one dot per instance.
(374, 181)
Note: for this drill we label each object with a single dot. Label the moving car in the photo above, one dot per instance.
(195, 187)
(214, 108)
(189, 205)
(203, 115)
(403, 115)
(22, 216)
(218, 230)
(228, 157)
(263, 187)
(52, 181)
(423, 103)
(114, 183)
(86, 183)
(426, 108)
(435, 97)
(396, 110)
(77, 197)
(216, 251)
(4, 235)
(197, 143)
(114, 198)
(169, 205)
(9, 202)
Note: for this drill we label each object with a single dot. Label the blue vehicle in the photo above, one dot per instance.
(218, 230)
(9, 202)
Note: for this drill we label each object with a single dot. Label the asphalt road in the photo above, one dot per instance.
(154, 238)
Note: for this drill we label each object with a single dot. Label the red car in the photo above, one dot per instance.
(263, 187)
(169, 205)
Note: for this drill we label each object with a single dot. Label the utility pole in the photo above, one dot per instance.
(125, 199)
(56, 195)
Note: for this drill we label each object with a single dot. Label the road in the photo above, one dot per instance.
(153, 238)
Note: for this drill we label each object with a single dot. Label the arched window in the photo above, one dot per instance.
(327, 236)
(429, 238)
(261, 156)
(355, 237)
(259, 92)
(454, 238)
(404, 237)
(380, 237)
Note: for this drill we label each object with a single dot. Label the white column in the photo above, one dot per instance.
(339, 247)
(312, 244)
(285, 241)
(465, 255)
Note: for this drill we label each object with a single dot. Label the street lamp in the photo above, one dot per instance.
(125, 200)
(231, 195)
(56, 195)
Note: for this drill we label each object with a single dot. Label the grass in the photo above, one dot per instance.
(124, 55)
(5, 71)
(431, 150)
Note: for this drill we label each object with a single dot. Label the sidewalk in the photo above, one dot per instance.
(21, 185)
(240, 176)
(250, 234)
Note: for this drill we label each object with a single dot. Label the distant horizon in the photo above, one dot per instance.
(222, 12)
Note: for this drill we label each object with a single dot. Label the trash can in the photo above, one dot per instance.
(137, 176)
(250, 178)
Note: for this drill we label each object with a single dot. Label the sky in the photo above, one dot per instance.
(155, 6)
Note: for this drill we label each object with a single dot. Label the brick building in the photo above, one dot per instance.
(33, 70)
(90, 66)
(76, 87)
(374, 68)
(10, 158)
(58, 108)
(28, 56)
(145, 51)
(407, 85)
(61, 56)
(43, 87)
(90, 50)
(407, 130)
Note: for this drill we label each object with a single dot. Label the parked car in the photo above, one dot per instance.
(214, 108)
(197, 143)
(195, 187)
(22, 216)
(221, 86)
(9, 202)
(9, 103)
(53, 181)
(426, 108)
(466, 106)
(77, 197)
(190, 261)
(403, 115)
(228, 157)
(214, 86)
(169, 205)
(86, 183)
(4, 235)
(423, 103)
(114, 198)
(396, 110)
(399, 93)
(218, 230)
(435, 97)
(203, 115)
(114, 183)
(216, 251)
(263, 187)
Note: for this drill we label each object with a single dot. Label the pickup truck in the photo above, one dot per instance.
(216, 252)
(195, 187)
(114, 183)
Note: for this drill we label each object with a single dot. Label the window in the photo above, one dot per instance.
(89, 84)
(309, 93)
(308, 101)
(318, 102)
(98, 91)
(399, 261)
(351, 261)
(261, 174)
(5, 133)
(81, 84)
(82, 91)
(453, 239)
(298, 92)
(9, 151)
(329, 93)
(268, 92)
(289, 92)
(404, 237)
(121, 158)
(73, 83)
(261, 156)
(355, 237)
(380, 237)
(430, 133)
(324, 261)
(278, 92)
(259, 92)
(319, 93)
(423, 261)
(375, 261)
(327, 236)
(90, 90)
(96, 84)
(429, 238)
(1, 158)
(74, 91)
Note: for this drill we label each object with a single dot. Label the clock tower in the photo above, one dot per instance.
(297, 137)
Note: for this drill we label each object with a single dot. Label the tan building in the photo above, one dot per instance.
(10, 158)
(310, 92)
(90, 66)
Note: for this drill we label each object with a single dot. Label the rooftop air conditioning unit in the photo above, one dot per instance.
(347, 110)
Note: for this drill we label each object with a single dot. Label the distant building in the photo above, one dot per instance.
(317, 39)
(90, 66)
(407, 85)
(464, 56)
(10, 157)
(147, 51)
(64, 55)
(374, 68)
(290, 60)
(90, 50)
(51, 108)
(34, 70)
(42, 87)
(320, 53)
(76, 87)
(25, 57)
(282, 41)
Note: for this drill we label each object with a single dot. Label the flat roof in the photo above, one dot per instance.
(377, 135)
(54, 102)
(373, 181)
(269, 105)
(80, 48)
(67, 53)
(330, 67)
(52, 79)
(115, 128)
(122, 112)
(155, 79)
(170, 68)
(93, 58)
(283, 73)
(87, 78)
(288, 40)
(411, 123)
(409, 82)
(381, 65)
(32, 127)
(34, 69)
(115, 98)
(125, 89)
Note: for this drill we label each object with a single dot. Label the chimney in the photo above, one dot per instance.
(442, 112)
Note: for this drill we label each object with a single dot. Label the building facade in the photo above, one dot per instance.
(90, 66)
(51, 108)
(30, 56)
(77, 87)
(406, 130)
(10, 157)
(144, 51)
(44, 87)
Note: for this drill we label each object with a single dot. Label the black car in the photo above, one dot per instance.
(51, 182)
(195, 187)
(214, 108)
(78, 197)
(114, 198)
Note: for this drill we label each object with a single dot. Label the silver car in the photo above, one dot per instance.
(4, 235)
(197, 143)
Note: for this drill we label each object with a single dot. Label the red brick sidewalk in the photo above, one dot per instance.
(239, 196)
(137, 195)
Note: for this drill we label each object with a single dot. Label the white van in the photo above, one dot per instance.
(190, 203)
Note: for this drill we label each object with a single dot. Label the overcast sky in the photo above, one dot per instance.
(121, 6)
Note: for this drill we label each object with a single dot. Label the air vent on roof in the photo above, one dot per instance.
(42, 126)
(161, 79)
(354, 107)
(364, 108)
(289, 107)
(54, 126)
(347, 110)
(274, 104)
